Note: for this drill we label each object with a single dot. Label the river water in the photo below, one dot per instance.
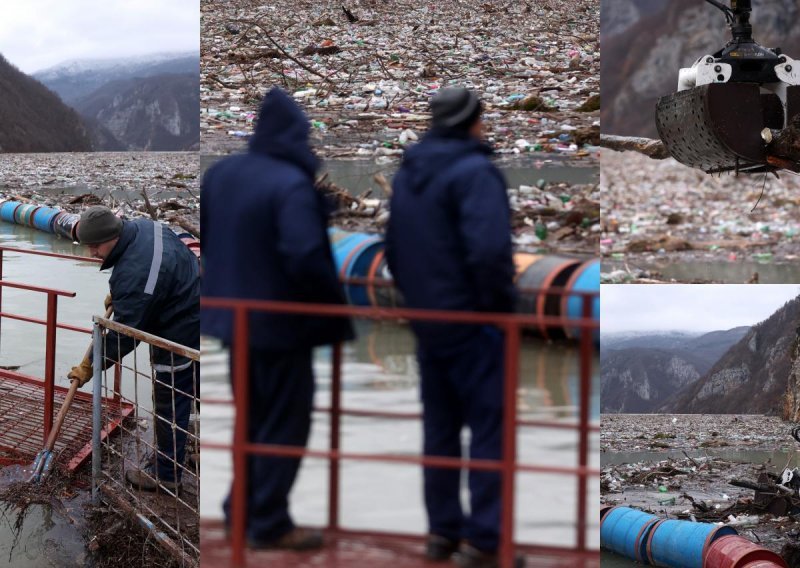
(45, 538)
(357, 175)
(380, 373)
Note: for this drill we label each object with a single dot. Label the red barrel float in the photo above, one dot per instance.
(737, 552)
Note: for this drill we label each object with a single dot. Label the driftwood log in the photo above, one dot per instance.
(783, 146)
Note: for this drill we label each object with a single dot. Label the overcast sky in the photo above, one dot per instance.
(36, 34)
(689, 307)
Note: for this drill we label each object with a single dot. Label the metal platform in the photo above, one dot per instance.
(348, 549)
(22, 411)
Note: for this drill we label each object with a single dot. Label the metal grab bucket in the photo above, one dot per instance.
(43, 219)
(8, 209)
(543, 272)
(682, 544)
(64, 225)
(585, 279)
(624, 530)
(737, 552)
(717, 127)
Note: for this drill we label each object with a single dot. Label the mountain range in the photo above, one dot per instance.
(141, 103)
(640, 372)
(75, 79)
(752, 376)
(741, 370)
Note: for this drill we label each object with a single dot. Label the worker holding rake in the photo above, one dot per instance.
(156, 289)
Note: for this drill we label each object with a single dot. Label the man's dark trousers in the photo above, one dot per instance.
(464, 386)
(171, 451)
(281, 398)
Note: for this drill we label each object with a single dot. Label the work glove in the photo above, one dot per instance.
(107, 302)
(82, 373)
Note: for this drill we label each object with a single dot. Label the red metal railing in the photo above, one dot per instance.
(511, 324)
(51, 323)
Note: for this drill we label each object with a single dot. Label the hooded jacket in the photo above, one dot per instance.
(155, 286)
(448, 242)
(265, 235)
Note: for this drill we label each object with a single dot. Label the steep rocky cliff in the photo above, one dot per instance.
(791, 405)
(152, 113)
(751, 378)
(33, 119)
(639, 380)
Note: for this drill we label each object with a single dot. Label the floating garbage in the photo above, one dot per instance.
(395, 56)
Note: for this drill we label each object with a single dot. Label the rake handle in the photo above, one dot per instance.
(73, 388)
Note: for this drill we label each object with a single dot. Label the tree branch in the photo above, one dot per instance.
(651, 148)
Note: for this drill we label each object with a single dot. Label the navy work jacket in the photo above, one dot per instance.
(265, 235)
(448, 242)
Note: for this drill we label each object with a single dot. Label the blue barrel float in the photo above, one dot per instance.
(625, 530)
(44, 219)
(585, 279)
(47, 219)
(8, 209)
(682, 544)
(361, 255)
(354, 255)
(22, 215)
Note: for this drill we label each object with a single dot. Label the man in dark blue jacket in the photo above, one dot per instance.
(265, 237)
(449, 248)
(155, 288)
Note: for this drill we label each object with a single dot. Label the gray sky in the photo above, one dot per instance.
(36, 34)
(689, 307)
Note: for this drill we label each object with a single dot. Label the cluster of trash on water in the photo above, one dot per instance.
(735, 471)
(657, 211)
(366, 80)
(161, 185)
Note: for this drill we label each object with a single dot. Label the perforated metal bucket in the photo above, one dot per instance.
(715, 127)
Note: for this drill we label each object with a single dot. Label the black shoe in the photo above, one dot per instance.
(439, 548)
(295, 539)
(146, 480)
(470, 557)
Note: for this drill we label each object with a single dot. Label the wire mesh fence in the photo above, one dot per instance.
(151, 471)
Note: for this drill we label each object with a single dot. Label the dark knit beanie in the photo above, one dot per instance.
(455, 108)
(98, 225)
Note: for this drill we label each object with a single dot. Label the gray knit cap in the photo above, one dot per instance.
(98, 225)
(455, 108)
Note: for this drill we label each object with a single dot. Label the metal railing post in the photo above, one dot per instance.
(585, 401)
(511, 355)
(1, 289)
(240, 354)
(97, 405)
(336, 405)
(50, 363)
